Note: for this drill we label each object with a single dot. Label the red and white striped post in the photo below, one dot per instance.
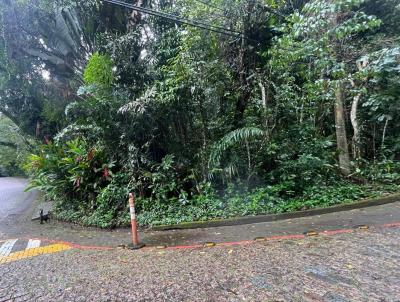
(135, 238)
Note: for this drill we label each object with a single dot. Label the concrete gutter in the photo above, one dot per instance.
(275, 217)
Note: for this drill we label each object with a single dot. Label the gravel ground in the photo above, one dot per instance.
(359, 266)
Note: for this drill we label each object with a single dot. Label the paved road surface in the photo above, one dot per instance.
(14, 202)
(356, 265)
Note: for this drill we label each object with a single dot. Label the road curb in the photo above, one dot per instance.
(221, 244)
(277, 238)
(283, 216)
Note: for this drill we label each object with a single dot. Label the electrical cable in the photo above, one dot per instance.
(177, 19)
(171, 17)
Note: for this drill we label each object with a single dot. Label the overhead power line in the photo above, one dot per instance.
(174, 18)
(177, 19)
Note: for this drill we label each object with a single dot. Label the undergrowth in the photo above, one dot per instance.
(264, 200)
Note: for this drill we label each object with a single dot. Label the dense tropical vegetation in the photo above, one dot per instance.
(14, 147)
(257, 106)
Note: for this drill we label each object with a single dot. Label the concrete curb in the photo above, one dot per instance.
(220, 244)
(275, 217)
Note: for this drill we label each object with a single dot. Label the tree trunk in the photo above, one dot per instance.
(384, 132)
(243, 66)
(356, 129)
(356, 141)
(374, 142)
(248, 161)
(205, 137)
(341, 136)
(38, 129)
(265, 105)
(243, 89)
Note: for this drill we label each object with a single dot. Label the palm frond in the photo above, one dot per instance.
(230, 139)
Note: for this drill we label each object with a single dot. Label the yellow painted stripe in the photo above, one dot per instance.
(29, 253)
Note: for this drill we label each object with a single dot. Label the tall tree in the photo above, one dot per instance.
(329, 33)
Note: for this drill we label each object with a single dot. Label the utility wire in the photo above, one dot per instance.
(171, 17)
(177, 19)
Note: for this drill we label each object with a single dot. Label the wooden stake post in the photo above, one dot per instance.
(135, 237)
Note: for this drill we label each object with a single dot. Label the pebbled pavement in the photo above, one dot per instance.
(358, 266)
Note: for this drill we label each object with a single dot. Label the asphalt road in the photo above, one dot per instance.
(14, 202)
(12, 197)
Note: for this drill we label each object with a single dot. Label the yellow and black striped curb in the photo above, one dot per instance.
(17, 249)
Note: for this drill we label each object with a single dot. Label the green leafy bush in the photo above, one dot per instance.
(99, 70)
(384, 171)
(72, 173)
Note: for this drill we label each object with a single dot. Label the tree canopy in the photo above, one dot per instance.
(204, 109)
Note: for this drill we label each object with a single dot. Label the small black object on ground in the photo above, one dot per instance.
(132, 246)
(44, 216)
(47, 208)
